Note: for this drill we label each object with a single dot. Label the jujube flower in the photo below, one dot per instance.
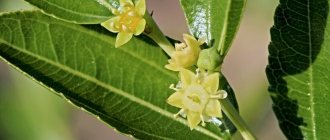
(185, 54)
(128, 21)
(198, 97)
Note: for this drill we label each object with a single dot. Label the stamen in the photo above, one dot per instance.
(217, 96)
(124, 27)
(131, 13)
(179, 113)
(172, 86)
(202, 118)
(222, 94)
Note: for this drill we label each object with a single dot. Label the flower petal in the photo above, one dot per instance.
(193, 43)
(194, 119)
(213, 109)
(175, 99)
(187, 77)
(140, 7)
(109, 24)
(172, 67)
(211, 83)
(140, 27)
(122, 38)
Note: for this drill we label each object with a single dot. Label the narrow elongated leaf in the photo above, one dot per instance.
(298, 69)
(77, 11)
(125, 87)
(217, 20)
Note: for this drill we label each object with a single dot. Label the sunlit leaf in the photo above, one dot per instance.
(77, 11)
(125, 87)
(217, 20)
(298, 70)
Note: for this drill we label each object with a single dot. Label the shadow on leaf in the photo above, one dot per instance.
(296, 40)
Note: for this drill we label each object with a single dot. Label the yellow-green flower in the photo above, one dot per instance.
(185, 54)
(198, 97)
(128, 21)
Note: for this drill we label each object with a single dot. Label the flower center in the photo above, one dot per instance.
(195, 98)
(129, 19)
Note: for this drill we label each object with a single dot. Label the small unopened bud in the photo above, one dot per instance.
(209, 59)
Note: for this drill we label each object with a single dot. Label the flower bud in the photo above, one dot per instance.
(209, 59)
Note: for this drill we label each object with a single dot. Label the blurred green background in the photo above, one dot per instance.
(28, 111)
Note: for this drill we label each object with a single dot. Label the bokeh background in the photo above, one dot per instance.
(28, 111)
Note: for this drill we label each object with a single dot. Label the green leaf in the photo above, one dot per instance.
(125, 87)
(232, 98)
(76, 11)
(217, 20)
(298, 70)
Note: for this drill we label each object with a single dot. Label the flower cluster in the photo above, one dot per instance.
(196, 94)
(128, 21)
